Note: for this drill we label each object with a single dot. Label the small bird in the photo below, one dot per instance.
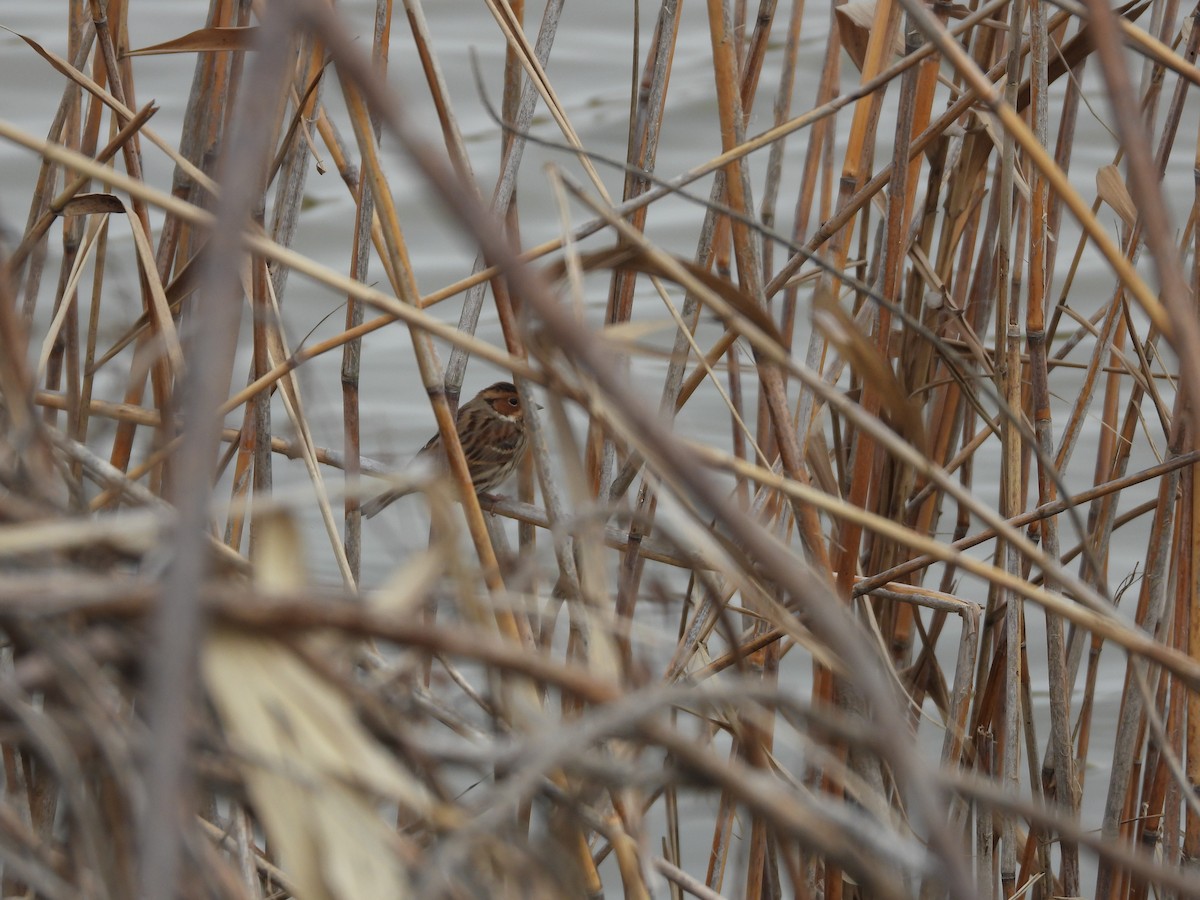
(491, 429)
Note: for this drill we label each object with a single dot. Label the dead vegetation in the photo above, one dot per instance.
(908, 527)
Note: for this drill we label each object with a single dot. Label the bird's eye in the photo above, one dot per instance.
(514, 402)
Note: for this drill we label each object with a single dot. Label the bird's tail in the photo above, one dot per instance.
(376, 504)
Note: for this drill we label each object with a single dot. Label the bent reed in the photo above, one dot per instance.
(854, 554)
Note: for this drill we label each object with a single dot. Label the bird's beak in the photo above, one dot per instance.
(539, 406)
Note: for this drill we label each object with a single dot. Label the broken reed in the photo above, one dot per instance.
(185, 710)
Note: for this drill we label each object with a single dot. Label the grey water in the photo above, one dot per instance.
(590, 69)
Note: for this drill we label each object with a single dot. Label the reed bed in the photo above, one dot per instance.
(817, 579)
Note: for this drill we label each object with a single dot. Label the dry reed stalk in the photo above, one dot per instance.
(1057, 775)
(822, 550)
(355, 313)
